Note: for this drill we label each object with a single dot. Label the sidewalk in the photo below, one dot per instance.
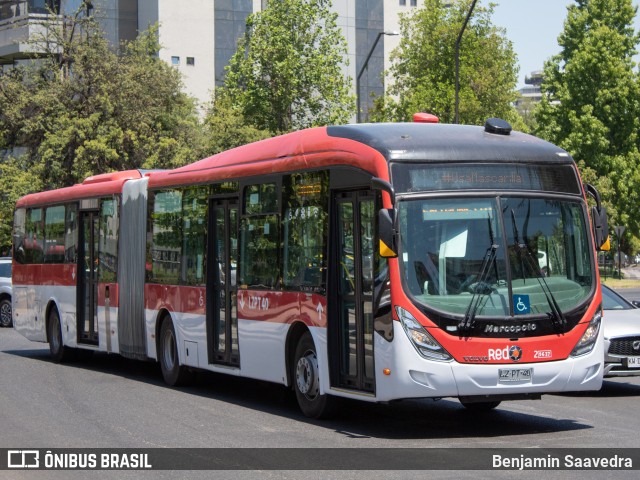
(632, 272)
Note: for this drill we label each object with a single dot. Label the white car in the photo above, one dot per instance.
(5, 292)
(621, 325)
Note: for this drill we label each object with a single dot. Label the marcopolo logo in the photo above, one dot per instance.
(520, 328)
(512, 352)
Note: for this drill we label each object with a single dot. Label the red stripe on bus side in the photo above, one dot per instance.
(44, 274)
(259, 305)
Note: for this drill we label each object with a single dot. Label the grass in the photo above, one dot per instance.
(621, 283)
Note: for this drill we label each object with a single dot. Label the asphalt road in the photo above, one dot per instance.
(629, 293)
(111, 402)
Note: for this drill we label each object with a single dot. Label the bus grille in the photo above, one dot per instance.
(624, 346)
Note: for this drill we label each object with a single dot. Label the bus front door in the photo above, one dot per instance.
(222, 292)
(353, 328)
(87, 278)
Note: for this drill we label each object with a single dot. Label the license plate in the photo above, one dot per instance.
(633, 362)
(514, 375)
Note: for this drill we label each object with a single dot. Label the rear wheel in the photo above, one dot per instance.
(173, 373)
(5, 313)
(306, 381)
(59, 353)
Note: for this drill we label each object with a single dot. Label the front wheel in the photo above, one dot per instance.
(306, 381)
(5, 313)
(173, 373)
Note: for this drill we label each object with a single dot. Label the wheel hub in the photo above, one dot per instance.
(307, 375)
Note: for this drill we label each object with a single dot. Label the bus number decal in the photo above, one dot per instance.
(542, 354)
(258, 303)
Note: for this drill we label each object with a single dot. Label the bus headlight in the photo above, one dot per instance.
(588, 340)
(425, 344)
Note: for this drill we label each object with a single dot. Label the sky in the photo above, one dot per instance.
(533, 26)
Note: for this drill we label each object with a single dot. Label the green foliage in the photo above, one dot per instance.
(287, 72)
(423, 67)
(591, 102)
(89, 110)
(16, 180)
(226, 126)
(81, 108)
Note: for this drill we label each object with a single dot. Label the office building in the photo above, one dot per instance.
(198, 37)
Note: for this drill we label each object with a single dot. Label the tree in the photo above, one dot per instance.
(423, 67)
(226, 127)
(525, 108)
(287, 72)
(16, 180)
(81, 108)
(591, 102)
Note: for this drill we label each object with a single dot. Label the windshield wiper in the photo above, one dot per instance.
(556, 314)
(481, 289)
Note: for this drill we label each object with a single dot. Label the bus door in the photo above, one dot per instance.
(222, 291)
(353, 237)
(87, 277)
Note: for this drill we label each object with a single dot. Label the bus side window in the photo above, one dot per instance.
(194, 214)
(54, 230)
(166, 251)
(259, 237)
(108, 238)
(305, 225)
(34, 238)
(19, 235)
(71, 234)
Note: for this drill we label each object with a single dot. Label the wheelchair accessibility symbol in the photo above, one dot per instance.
(521, 304)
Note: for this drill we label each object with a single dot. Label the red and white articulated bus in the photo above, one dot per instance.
(369, 261)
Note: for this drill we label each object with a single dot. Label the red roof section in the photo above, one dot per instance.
(305, 149)
(93, 187)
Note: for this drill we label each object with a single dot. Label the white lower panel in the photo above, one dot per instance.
(30, 304)
(262, 348)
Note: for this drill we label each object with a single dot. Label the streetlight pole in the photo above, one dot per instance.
(464, 25)
(364, 66)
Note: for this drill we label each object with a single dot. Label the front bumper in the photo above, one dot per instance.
(414, 377)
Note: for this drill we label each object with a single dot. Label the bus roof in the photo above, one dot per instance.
(367, 146)
(412, 142)
(92, 187)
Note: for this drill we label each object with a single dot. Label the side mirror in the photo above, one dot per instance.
(386, 221)
(599, 220)
(387, 233)
(600, 228)
(379, 184)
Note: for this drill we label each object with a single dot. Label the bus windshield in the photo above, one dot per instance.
(510, 251)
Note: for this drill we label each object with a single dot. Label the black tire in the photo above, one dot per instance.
(173, 373)
(59, 353)
(5, 313)
(306, 381)
(479, 406)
